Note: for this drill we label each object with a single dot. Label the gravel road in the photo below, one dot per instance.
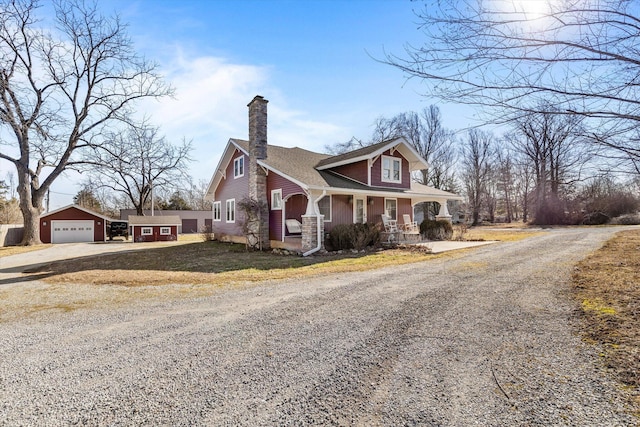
(486, 337)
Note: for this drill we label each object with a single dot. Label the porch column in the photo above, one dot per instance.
(310, 237)
(443, 214)
(310, 232)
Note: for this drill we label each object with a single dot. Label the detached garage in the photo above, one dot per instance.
(72, 224)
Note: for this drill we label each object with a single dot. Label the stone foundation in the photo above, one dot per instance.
(310, 232)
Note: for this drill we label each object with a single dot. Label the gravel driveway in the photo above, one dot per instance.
(486, 337)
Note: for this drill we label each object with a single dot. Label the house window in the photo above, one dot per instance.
(276, 199)
(391, 169)
(238, 167)
(165, 230)
(324, 206)
(231, 210)
(217, 211)
(146, 231)
(391, 208)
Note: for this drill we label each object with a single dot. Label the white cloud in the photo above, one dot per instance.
(210, 107)
(290, 128)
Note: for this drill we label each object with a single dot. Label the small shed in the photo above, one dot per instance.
(154, 228)
(73, 224)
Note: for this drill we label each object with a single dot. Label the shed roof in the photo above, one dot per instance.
(165, 220)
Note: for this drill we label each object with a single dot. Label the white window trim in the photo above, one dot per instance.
(146, 231)
(230, 212)
(330, 208)
(355, 208)
(276, 206)
(165, 231)
(385, 207)
(236, 161)
(218, 211)
(392, 160)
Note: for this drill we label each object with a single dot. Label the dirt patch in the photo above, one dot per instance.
(606, 288)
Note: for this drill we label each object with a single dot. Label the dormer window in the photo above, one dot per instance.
(391, 169)
(238, 167)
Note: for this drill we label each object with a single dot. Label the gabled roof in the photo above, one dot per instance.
(220, 170)
(80, 208)
(416, 161)
(164, 220)
(311, 170)
(295, 163)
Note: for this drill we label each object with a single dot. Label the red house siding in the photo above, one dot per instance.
(275, 181)
(155, 236)
(232, 188)
(404, 207)
(375, 210)
(294, 207)
(341, 211)
(356, 171)
(291, 207)
(71, 214)
(376, 172)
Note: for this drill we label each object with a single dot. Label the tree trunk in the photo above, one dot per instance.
(31, 208)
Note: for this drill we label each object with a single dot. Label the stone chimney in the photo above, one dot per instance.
(258, 127)
(257, 175)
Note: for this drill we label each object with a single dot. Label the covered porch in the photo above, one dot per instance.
(318, 211)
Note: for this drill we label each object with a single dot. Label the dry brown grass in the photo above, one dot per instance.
(508, 234)
(171, 272)
(15, 250)
(213, 263)
(607, 288)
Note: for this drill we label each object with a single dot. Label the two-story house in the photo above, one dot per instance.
(317, 190)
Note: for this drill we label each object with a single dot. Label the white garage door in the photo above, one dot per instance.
(71, 231)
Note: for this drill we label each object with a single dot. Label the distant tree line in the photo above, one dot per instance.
(562, 81)
(541, 170)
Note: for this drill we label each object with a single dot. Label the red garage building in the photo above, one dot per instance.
(72, 224)
(154, 228)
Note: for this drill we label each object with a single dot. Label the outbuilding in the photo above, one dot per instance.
(72, 224)
(154, 228)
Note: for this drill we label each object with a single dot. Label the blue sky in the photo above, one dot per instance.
(311, 59)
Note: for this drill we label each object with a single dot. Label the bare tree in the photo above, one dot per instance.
(580, 57)
(505, 184)
(438, 146)
(551, 144)
(342, 147)
(603, 198)
(477, 154)
(426, 133)
(110, 202)
(524, 187)
(195, 195)
(59, 89)
(136, 161)
(87, 199)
